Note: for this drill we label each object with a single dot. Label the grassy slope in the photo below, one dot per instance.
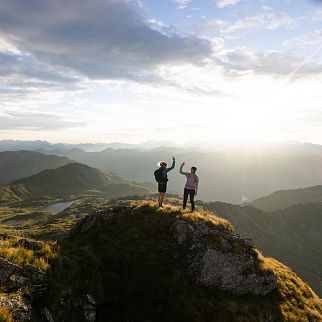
(128, 265)
(15, 165)
(71, 179)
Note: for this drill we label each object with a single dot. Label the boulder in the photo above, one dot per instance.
(235, 273)
(91, 221)
(221, 259)
(22, 285)
(88, 305)
(181, 231)
(46, 315)
(7, 269)
(29, 244)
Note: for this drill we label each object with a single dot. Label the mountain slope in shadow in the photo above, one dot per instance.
(73, 179)
(15, 165)
(292, 235)
(286, 198)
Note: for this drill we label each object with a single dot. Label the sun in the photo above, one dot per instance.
(243, 123)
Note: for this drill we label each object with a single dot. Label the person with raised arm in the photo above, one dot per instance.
(191, 187)
(161, 176)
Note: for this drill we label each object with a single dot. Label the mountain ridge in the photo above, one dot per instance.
(289, 197)
(15, 165)
(70, 179)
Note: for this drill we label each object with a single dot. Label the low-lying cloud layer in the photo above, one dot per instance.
(34, 122)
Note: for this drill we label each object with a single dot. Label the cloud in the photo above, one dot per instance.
(182, 3)
(312, 39)
(251, 24)
(26, 67)
(105, 39)
(269, 63)
(226, 3)
(242, 27)
(23, 75)
(35, 121)
(267, 8)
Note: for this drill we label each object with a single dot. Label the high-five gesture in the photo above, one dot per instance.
(191, 187)
(161, 176)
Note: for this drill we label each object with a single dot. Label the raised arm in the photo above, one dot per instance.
(184, 173)
(173, 165)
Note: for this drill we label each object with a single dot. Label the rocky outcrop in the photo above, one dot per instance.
(7, 269)
(19, 306)
(29, 244)
(46, 315)
(230, 272)
(222, 259)
(91, 221)
(88, 305)
(21, 284)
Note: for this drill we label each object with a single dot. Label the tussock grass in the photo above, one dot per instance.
(131, 266)
(299, 303)
(20, 255)
(196, 216)
(5, 315)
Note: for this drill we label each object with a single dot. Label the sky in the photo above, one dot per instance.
(179, 70)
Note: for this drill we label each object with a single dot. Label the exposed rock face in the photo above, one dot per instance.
(222, 259)
(91, 221)
(18, 305)
(88, 305)
(36, 279)
(29, 244)
(181, 231)
(7, 269)
(46, 315)
(230, 272)
(14, 277)
(21, 284)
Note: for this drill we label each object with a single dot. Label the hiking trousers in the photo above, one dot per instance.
(191, 194)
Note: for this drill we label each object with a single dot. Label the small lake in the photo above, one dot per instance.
(13, 222)
(58, 207)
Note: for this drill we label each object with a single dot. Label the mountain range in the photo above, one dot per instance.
(46, 147)
(15, 165)
(286, 198)
(233, 176)
(73, 179)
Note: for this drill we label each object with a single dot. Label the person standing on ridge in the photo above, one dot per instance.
(161, 176)
(191, 187)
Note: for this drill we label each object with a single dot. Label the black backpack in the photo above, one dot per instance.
(158, 175)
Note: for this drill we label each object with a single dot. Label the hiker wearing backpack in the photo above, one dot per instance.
(161, 176)
(191, 187)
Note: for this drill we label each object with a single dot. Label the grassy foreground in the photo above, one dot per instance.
(131, 267)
